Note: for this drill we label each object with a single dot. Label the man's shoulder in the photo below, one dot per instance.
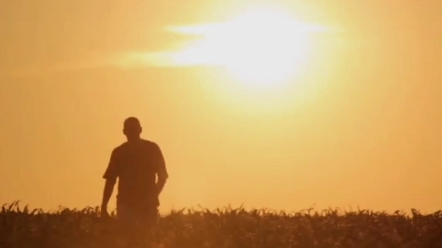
(149, 144)
(120, 147)
(143, 142)
(117, 150)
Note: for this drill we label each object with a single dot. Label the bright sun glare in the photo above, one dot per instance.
(261, 47)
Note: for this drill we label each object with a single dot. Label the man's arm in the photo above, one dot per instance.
(107, 193)
(160, 184)
(110, 175)
(161, 170)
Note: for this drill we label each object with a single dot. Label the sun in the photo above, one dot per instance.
(262, 47)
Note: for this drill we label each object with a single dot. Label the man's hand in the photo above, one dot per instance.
(108, 188)
(104, 213)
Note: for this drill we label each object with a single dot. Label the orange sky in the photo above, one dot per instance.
(360, 126)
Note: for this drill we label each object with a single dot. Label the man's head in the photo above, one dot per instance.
(132, 128)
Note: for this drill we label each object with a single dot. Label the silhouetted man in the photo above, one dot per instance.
(136, 163)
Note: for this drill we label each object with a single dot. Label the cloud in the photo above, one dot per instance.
(143, 59)
(167, 58)
(121, 60)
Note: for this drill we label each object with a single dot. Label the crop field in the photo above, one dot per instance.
(223, 228)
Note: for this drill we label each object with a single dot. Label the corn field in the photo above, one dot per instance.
(224, 228)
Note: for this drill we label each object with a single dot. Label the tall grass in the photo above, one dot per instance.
(224, 228)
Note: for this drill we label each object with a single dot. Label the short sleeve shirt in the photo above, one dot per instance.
(136, 166)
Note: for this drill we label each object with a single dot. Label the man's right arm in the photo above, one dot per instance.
(107, 193)
(110, 175)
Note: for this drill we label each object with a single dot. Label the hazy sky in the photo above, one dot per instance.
(361, 125)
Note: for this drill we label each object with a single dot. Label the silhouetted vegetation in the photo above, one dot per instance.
(226, 227)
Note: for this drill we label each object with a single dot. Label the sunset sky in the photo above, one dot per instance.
(279, 104)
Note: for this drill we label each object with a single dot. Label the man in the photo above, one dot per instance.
(136, 163)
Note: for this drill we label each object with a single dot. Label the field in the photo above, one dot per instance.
(225, 228)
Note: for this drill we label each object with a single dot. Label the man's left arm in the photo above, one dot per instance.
(161, 170)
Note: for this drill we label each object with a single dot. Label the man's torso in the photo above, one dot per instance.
(137, 174)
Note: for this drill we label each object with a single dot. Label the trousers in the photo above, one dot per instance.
(140, 218)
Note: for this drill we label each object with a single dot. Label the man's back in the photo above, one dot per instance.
(136, 164)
